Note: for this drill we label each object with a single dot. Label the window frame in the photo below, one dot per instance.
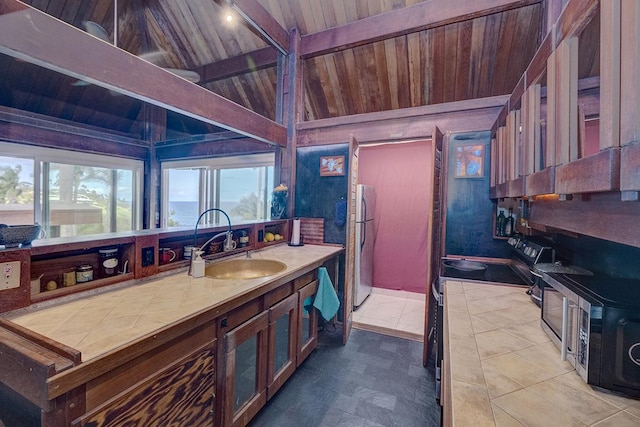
(44, 156)
(209, 192)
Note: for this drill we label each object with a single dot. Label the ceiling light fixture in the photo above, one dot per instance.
(229, 17)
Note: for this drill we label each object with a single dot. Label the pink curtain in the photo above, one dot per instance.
(401, 174)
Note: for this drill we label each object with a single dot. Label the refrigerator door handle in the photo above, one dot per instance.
(363, 224)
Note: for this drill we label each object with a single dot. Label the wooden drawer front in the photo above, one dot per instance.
(278, 295)
(241, 314)
(305, 279)
(181, 395)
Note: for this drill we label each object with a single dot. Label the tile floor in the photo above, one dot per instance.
(374, 380)
(396, 313)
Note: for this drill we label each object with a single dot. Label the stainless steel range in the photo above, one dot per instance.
(517, 270)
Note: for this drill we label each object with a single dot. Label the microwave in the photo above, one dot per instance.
(595, 323)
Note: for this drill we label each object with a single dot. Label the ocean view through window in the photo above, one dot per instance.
(239, 185)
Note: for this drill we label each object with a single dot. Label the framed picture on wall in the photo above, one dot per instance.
(332, 166)
(469, 161)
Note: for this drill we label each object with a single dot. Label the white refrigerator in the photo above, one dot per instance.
(365, 238)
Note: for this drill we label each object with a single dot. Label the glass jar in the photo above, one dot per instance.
(84, 273)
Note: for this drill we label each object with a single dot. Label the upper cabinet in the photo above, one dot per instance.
(629, 91)
(571, 125)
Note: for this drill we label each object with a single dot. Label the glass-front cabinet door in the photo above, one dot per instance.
(246, 362)
(283, 318)
(307, 321)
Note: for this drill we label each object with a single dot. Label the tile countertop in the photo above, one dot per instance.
(506, 372)
(97, 322)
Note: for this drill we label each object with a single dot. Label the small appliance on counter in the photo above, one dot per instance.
(595, 321)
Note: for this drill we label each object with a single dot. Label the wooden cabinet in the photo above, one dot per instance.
(263, 347)
(307, 322)
(245, 370)
(183, 394)
(218, 366)
(629, 98)
(549, 138)
(283, 332)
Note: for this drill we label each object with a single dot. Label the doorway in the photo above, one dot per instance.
(402, 175)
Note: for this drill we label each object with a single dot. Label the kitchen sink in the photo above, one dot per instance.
(245, 268)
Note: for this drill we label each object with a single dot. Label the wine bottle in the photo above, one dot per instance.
(500, 224)
(509, 224)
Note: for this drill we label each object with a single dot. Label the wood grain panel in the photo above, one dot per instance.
(629, 161)
(604, 216)
(598, 172)
(312, 229)
(181, 395)
(629, 69)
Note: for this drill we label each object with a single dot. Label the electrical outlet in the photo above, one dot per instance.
(148, 256)
(10, 278)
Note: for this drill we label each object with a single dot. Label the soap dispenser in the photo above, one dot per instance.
(197, 265)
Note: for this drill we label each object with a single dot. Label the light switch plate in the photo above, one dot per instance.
(9, 275)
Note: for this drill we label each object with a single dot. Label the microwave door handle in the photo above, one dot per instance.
(565, 328)
(567, 306)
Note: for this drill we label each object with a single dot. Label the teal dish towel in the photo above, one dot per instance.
(326, 300)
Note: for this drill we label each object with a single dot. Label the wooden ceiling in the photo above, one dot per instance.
(458, 54)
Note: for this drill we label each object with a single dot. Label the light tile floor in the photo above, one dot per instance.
(396, 313)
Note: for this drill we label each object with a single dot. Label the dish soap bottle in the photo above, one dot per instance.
(197, 265)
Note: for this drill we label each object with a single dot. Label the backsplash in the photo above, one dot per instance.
(603, 256)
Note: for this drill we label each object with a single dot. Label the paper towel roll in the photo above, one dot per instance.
(295, 234)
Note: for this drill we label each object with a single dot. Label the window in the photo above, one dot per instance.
(240, 185)
(69, 193)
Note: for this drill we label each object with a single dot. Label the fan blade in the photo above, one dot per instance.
(153, 57)
(80, 83)
(96, 30)
(192, 76)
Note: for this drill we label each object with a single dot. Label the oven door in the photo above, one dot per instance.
(560, 312)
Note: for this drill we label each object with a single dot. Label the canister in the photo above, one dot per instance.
(108, 261)
(84, 273)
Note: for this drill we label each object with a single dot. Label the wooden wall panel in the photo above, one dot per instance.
(629, 71)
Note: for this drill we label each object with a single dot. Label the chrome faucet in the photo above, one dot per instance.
(228, 241)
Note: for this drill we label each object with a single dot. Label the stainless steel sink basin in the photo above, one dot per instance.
(245, 268)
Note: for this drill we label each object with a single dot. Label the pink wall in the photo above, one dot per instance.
(401, 174)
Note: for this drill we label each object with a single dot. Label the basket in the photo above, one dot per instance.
(16, 235)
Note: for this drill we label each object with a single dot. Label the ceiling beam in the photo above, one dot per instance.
(31, 35)
(411, 19)
(236, 65)
(260, 19)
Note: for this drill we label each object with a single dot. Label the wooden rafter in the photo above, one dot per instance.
(419, 17)
(237, 65)
(263, 22)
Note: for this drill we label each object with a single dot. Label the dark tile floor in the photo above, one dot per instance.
(374, 380)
